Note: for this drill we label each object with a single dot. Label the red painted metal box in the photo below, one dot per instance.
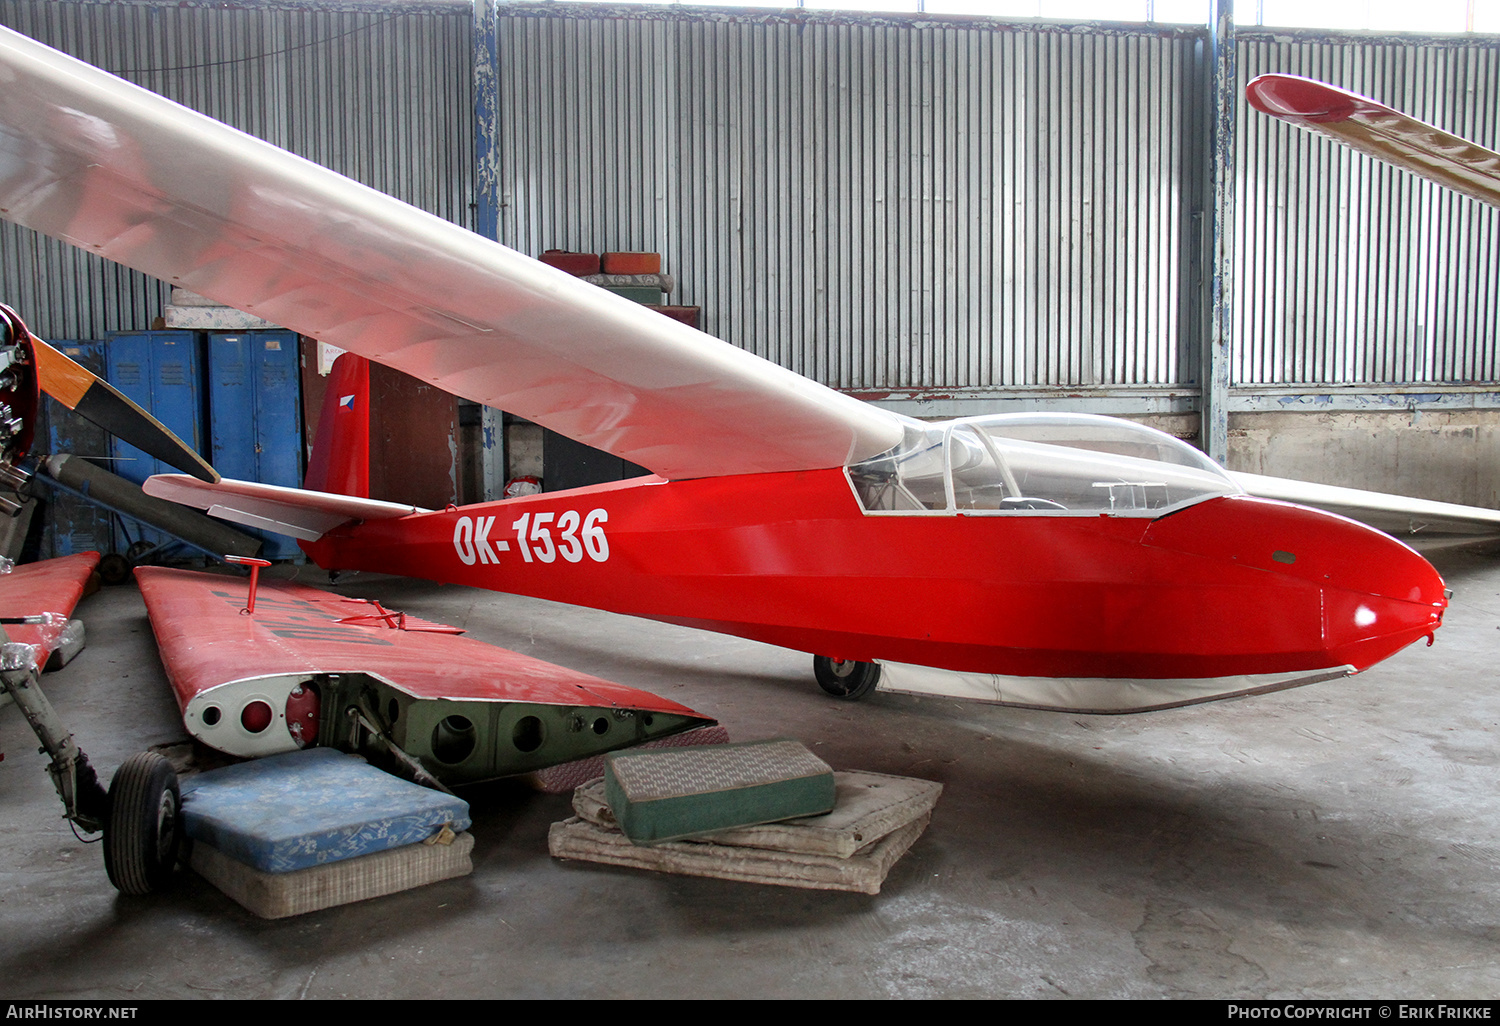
(632, 263)
(574, 263)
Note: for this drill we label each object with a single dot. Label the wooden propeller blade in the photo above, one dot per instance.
(90, 396)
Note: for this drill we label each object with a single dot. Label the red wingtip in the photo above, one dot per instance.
(1302, 99)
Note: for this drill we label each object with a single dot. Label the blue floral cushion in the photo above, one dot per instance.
(310, 807)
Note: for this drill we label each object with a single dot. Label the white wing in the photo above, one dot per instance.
(1381, 132)
(122, 172)
(1412, 520)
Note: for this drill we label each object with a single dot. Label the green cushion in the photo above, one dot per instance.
(666, 794)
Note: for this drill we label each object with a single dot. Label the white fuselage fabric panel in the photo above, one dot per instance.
(1090, 694)
(119, 171)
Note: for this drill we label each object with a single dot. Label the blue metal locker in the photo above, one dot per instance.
(256, 415)
(163, 372)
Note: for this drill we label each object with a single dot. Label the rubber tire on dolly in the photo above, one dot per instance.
(114, 569)
(144, 834)
(847, 680)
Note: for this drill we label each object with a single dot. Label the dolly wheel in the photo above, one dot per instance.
(114, 569)
(144, 832)
(846, 679)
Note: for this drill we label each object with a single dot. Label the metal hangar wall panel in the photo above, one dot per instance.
(379, 93)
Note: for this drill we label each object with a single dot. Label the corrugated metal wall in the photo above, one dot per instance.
(880, 204)
(888, 204)
(1350, 271)
(382, 96)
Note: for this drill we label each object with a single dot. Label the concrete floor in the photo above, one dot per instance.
(1340, 840)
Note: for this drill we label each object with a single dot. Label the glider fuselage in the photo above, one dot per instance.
(1228, 585)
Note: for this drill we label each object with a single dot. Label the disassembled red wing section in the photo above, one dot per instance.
(1380, 132)
(309, 667)
(49, 589)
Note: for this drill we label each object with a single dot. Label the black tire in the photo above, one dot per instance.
(114, 569)
(144, 833)
(847, 680)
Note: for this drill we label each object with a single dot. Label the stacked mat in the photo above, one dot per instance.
(722, 812)
(316, 828)
(569, 776)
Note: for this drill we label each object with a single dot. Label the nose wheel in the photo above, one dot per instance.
(846, 679)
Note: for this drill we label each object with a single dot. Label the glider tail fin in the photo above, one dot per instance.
(340, 458)
(338, 477)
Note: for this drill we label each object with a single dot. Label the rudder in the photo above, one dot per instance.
(340, 457)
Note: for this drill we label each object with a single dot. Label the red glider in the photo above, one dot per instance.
(1053, 561)
(1069, 562)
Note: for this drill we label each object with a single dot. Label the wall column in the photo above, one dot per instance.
(1214, 431)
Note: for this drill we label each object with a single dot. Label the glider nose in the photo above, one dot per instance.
(1385, 598)
(1376, 595)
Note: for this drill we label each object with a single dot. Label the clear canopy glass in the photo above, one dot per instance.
(1038, 464)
